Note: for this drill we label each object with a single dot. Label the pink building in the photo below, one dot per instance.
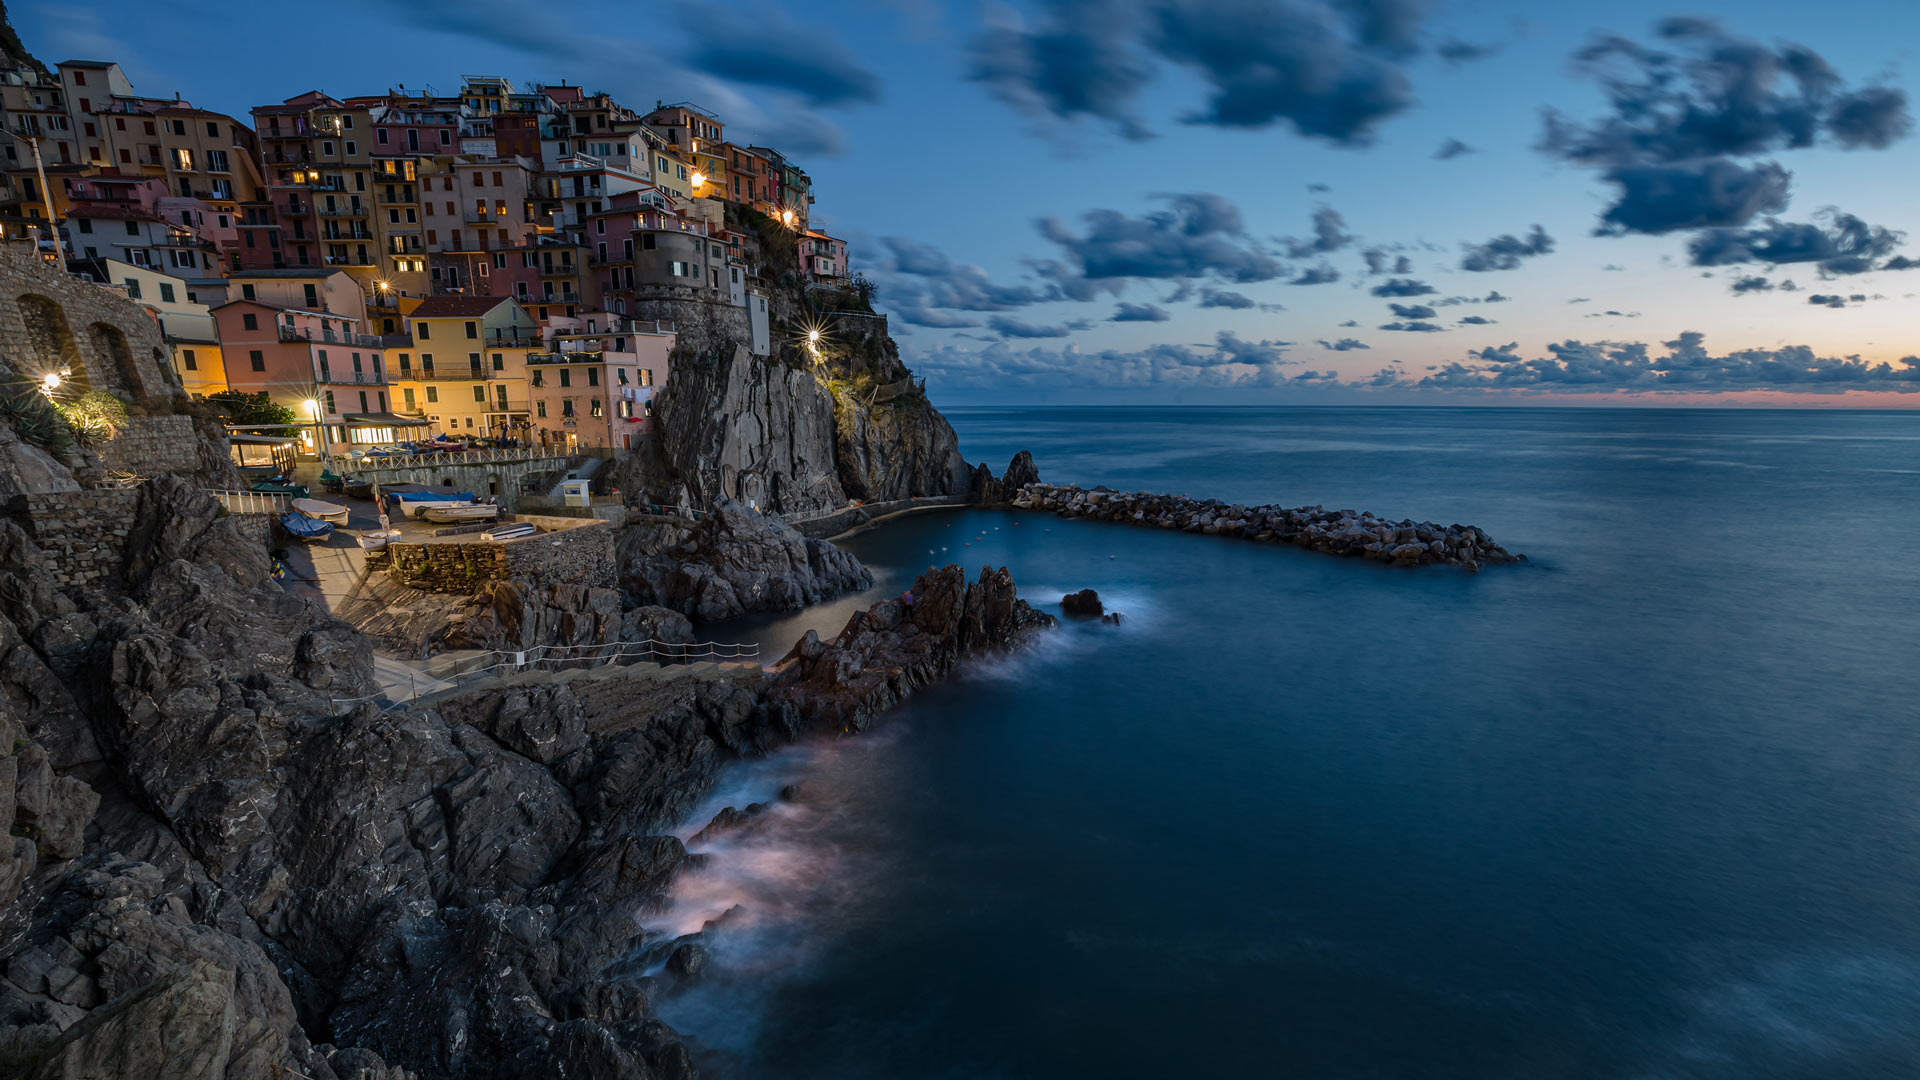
(823, 258)
(595, 384)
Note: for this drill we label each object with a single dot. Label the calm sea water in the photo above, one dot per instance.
(1646, 808)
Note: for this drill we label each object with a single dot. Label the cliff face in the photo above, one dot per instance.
(809, 427)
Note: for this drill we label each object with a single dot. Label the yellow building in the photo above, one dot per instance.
(467, 370)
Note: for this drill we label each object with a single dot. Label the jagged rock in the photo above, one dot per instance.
(986, 489)
(894, 648)
(1084, 604)
(686, 960)
(178, 1027)
(729, 819)
(732, 562)
(1021, 471)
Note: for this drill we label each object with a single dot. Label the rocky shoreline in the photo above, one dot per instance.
(1334, 532)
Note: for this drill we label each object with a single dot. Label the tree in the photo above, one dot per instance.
(244, 409)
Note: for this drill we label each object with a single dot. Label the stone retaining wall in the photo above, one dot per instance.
(83, 533)
(855, 516)
(152, 445)
(579, 553)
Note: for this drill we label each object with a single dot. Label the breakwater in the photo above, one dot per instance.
(1356, 534)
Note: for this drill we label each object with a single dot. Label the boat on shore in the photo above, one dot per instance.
(446, 515)
(304, 528)
(511, 530)
(325, 511)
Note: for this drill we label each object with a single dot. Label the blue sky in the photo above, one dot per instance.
(962, 146)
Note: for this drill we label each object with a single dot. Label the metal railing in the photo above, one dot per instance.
(352, 378)
(458, 457)
(565, 658)
(253, 502)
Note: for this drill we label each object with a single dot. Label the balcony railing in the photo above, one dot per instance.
(343, 211)
(514, 340)
(395, 341)
(569, 356)
(348, 260)
(301, 333)
(470, 374)
(353, 378)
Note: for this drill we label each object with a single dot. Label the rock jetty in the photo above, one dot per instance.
(1335, 532)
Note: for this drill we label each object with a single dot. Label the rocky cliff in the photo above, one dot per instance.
(808, 427)
(732, 562)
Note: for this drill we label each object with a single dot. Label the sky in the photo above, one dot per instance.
(1231, 201)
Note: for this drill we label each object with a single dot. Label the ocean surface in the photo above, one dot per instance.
(1648, 807)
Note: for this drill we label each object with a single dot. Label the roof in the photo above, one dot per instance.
(85, 63)
(288, 272)
(454, 307)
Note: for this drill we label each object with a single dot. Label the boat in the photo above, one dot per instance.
(398, 495)
(325, 511)
(511, 530)
(280, 487)
(302, 527)
(377, 539)
(357, 488)
(469, 512)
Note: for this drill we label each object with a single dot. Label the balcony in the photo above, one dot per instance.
(343, 211)
(300, 333)
(514, 340)
(348, 260)
(356, 233)
(570, 356)
(352, 378)
(469, 374)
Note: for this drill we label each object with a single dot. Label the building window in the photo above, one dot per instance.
(566, 377)
(480, 395)
(423, 331)
(330, 405)
(499, 362)
(433, 394)
(593, 376)
(187, 360)
(246, 291)
(166, 292)
(473, 330)
(540, 409)
(257, 360)
(406, 392)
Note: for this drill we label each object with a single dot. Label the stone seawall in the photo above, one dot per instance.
(1335, 532)
(154, 444)
(854, 517)
(581, 553)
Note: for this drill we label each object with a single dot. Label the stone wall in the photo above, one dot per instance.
(152, 445)
(103, 340)
(580, 553)
(83, 533)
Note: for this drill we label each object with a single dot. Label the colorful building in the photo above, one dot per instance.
(467, 371)
(594, 384)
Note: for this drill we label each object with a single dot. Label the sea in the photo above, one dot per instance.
(1647, 806)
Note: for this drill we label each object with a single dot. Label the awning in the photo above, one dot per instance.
(259, 440)
(384, 419)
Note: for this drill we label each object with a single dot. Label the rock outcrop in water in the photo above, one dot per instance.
(897, 646)
(1335, 532)
(733, 561)
(989, 490)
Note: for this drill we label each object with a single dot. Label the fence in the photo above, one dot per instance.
(253, 502)
(566, 658)
(459, 457)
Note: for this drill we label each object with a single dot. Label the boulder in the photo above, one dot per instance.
(735, 561)
(1084, 604)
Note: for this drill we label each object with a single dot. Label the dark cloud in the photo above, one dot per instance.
(1200, 235)
(943, 283)
(1380, 261)
(779, 56)
(1451, 149)
(1079, 63)
(1835, 301)
(1505, 252)
(1696, 195)
(1349, 324)
(1318, 189)
(1414, 327)
(1316, 275)
(1330, 69)
(1709, 94)
(1454, 301)
(1742, 286)
(1139, 313)
(1412, 311)
(1404, 287)
(1223, 298)
(1900, 262)
(1838, 244)
(1476, 320)
(1329, 234)
(1455, 51)
(1008, 326)
(1580, 300)
(1345, 344)
(1687, 367)
(1682, 110)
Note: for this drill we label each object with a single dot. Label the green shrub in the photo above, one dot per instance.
(35, 420)
(94, 415)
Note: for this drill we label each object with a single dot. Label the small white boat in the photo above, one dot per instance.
(470, 512)
(417, 508)
(510, 531)
(377, 539)
(325, 511)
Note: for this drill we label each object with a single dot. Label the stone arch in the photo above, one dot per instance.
(52, 341)
(112, 354)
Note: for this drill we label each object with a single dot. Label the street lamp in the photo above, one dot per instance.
(50, 383)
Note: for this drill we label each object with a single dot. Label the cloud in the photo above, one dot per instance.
(1345, 344)
(1451, 149)
(1349, 324)
(1379, 261)
(1329, 234)
(1839, 244)
(1404, 287)
(1228, 362)
(1455, 51)
(1504, 252)
(1414, 327)
(1008, 326)
(1477, 320)
(1412, 311)
(1330, 69)
(1223, 298)
(1316, 275)
(1318, 189)
(1200, 235)
(1680, 113)
(1900, 262)
(1079, 63)
(1139, 313)
(777, 55)
(1835, 301)
(947, 284)
(1454, 301)
(1687, 368)
(1742, 286)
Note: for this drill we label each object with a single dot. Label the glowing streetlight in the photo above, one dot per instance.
(699, 178)
(786, 218)
(50, 383)
(313, 407)
(382, 285)
(813, 337)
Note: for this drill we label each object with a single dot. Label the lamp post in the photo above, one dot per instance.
(319, 433)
